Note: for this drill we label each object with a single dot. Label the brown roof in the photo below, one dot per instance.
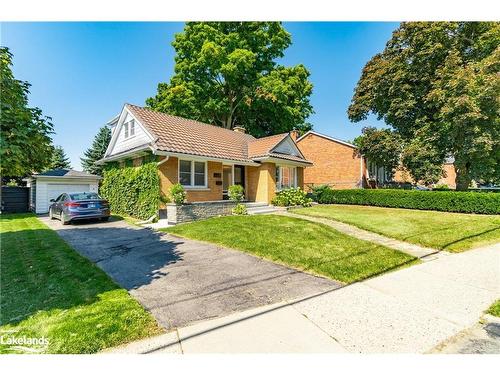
(180, 135)
(262, 146)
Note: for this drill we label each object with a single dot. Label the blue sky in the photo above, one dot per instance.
(82, 73)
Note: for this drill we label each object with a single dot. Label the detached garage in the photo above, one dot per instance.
(49, 185)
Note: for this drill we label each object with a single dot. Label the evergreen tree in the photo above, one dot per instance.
(96, 151)
(59, 159)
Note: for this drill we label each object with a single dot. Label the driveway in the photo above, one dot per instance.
(183, 281)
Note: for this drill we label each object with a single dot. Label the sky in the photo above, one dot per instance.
(82, 73)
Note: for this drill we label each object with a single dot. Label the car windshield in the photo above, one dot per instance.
(84, 196)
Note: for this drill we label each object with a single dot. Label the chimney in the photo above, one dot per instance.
(294, 134)
(239, 129)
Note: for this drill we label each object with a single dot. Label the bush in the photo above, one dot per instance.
(291, 197)
(132, 191)
(449, 201)
(240, 209)
(441, 187)
(236, 193)
(178, 194)
(317, 191)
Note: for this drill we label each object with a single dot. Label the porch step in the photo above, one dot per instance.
(255, 204)
(263, 210)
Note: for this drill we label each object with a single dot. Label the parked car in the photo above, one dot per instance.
(76, 206)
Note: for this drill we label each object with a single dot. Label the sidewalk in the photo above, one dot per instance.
(408, 311)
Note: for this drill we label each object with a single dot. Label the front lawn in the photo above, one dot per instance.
(440, 230)
(298, 243)
(49, 291)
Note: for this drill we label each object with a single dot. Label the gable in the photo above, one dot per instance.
(119, 142)
(312, 134)
(287, 146)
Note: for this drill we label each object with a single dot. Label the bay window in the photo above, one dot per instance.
(192, 173)
(286, 177)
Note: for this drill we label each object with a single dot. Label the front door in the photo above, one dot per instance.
(239, 175)
(227, 179)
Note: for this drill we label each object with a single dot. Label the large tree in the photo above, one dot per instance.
(96, 151)
(59, 159)
(226, 74)
(25, 142)
(437, 83)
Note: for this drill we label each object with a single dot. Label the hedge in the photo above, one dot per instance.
(450, 201)
(132, 191)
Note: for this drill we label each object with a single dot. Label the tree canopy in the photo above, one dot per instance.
(380, 146)
(59, 159)
(96, 151)
(226, 74)
(25, 142)
(437, 83)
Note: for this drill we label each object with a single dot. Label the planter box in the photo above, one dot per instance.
(176, 214)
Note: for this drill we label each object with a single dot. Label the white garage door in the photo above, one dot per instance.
(54, 190)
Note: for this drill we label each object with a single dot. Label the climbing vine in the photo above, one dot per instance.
(133, 191)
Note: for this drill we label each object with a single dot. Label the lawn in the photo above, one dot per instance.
(298, 243)
(440, 230)
(49, 291)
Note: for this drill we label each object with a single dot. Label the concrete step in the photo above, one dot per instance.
(264, 210)
(255, 204)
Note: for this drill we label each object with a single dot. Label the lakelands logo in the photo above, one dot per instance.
(24, 341)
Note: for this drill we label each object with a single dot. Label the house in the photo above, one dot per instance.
(50, 184)
(335, 162)
(206, 159)
(448, 178)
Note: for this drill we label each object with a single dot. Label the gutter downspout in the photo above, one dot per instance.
(163, 161)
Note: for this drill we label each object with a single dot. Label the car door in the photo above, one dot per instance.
(59, 204)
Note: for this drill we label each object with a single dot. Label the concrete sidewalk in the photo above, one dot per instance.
(408, 311)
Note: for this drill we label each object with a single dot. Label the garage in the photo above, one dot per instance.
(50, 184)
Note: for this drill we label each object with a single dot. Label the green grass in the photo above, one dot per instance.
(298, 243)
(440, 230)
(495, 309)
(49, 290)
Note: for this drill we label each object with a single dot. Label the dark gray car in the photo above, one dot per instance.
(76, 206)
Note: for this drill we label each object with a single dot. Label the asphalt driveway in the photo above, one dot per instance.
(184, 281)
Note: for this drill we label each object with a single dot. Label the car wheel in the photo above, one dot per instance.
(51, 217)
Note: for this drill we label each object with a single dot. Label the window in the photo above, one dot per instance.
(192, 173)
(286, 177)
(129, 129)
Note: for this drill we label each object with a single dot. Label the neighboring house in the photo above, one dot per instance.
(449, 174)
(336, 162)
(50, 184)
(206, 159)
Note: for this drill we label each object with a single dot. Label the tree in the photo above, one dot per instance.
(226, 75)
(59, 159)
(422, 162)
(435, 84)
(96, 151)
(380, 146)
(25, 142)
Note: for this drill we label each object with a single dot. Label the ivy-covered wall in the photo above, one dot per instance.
(133, 191)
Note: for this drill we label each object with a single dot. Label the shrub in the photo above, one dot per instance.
(132, 191)
(291, 197)
(178, 193)
(450, 201)
(317, 191)
(441, 187)
(240, 209)
(236, 193)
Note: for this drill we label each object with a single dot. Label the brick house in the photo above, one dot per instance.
(448, 179)
(206, 159)
(335, 162)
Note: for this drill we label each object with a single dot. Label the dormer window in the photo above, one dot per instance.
(129, 129)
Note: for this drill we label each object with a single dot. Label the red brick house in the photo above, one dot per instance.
(335, 162)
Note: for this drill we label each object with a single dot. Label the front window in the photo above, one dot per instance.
(192, 173)
(129, 129)
(286, 177)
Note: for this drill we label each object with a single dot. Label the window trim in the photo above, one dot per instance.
(278, 185)
(192, 161)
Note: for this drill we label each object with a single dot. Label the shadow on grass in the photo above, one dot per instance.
(41, 272)
(470, 237)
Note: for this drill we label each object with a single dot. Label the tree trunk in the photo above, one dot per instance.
(462, 180)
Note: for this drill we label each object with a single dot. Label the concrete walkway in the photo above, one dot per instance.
(351, 230)
(407, 311)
